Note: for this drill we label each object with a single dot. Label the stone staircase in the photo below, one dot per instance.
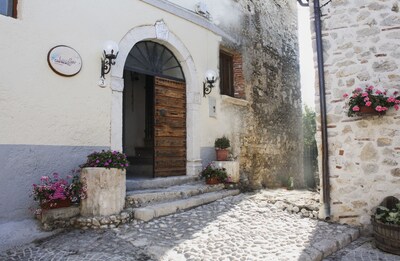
(164, 196)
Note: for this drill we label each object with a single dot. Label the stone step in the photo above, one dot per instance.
(162, 209)
(159, 182)
(140, 198)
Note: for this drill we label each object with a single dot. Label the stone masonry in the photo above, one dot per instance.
(361, 47)
(270, 142)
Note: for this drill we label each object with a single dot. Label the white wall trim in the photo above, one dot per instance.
(191, 17)
(193, 96)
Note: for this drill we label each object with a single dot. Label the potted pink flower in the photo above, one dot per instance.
(56, 192)
(370, 100)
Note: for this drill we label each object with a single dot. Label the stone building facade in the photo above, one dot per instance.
(361, 48)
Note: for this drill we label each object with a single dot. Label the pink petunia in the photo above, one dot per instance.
(391, 99)
(368, 103)
(366, 99)
(378, 92)
(365, 94)
(396, 107)
(345, 95)
(356, 108)
(379, 108)
(358, 89)
(370, 88)
(397, 101)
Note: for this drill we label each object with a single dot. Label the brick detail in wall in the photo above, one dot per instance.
(238, 79)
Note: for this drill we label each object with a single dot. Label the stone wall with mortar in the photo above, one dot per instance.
(264, 121)
(271, 149)
(361, 47)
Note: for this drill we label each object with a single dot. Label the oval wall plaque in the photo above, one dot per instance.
(64, 60)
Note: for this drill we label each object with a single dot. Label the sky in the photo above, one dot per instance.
(306, 57)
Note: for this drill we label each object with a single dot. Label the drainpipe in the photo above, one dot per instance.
(321, 76)
(324, 130)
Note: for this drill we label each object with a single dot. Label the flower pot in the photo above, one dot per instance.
(222, 154)
(387, 236)
(56, 203)
(212, 181)
(106, 191)
(365, 110)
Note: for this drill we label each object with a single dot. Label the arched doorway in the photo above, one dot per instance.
(193, 88)
(154, 112)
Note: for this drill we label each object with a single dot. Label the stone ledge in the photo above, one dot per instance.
(232, 169)
(51, 215)
(235, 101)
(69, 217)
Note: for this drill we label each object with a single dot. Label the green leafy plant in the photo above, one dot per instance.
(388, 215)
(106, 159)
(371, 97)
(222, 143)
(213, 172)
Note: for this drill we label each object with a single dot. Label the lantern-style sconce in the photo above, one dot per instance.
(110, 53)
(210, 78)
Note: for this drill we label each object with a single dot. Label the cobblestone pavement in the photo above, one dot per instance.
(243, 227)
(363, 249)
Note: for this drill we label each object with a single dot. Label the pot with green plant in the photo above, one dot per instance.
(221, 148)
(386, 225)
(214, 175)
(105, 176)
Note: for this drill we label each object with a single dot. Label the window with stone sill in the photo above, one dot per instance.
(231, 75)
(8, 8)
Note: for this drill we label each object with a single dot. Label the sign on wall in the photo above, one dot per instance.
(64, 60)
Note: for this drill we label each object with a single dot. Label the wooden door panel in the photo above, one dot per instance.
(168, 102)
(170, 113)
(171, 142)
(162, 82)
(171, 151)
(171, 93)
(169, 128)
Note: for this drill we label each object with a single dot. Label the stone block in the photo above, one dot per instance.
(59, 214)
(106, 191)
(232, 169)
(144, 214)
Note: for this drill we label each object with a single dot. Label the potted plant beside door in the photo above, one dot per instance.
(221, 148)
(105, 176)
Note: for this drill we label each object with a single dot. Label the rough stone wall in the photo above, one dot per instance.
(361, 47)
(271, 149)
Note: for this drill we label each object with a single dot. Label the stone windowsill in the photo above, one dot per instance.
(234, 101)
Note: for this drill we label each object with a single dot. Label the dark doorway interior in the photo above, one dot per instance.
(138, 119)
(154, 114)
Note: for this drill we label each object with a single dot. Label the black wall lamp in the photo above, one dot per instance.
(208, 84)
(110, 53)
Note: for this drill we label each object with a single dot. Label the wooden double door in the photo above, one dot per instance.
(169, 115)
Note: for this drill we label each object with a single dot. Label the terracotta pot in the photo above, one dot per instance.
(57, 203)
(222, 154)
(370, 110)
(212, 181)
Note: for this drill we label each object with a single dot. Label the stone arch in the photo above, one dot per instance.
(160, 33)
